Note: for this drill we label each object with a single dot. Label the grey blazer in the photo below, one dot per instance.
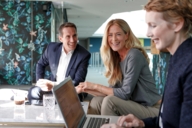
(138, 84)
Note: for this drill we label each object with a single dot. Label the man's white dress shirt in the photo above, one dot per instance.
(62, 66)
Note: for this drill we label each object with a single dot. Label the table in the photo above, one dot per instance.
(30, 116)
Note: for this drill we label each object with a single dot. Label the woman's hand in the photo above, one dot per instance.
(130, 121)
(87, 86)
(111, 126)
(44, 84)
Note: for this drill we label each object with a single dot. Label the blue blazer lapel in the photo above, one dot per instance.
(57, 52)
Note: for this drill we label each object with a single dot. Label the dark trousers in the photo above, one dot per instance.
(35, 95)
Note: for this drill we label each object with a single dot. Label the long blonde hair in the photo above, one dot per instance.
(111, 59)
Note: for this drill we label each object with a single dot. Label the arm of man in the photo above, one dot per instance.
(81, 71)
(41, 65)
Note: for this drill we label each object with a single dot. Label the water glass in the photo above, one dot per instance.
(49, 101)
(49, 114)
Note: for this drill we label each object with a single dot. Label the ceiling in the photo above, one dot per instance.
(89, 15)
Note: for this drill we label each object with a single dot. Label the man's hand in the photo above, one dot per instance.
(130, 121)
(78, 89)
(44, 84)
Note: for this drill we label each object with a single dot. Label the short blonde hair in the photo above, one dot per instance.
(173, 10)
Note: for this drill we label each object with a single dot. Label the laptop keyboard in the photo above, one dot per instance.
(97, 122)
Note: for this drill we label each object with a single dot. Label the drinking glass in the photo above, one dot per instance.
(48, 101)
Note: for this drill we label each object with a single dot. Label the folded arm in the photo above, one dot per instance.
(94, 93)
(96, 89)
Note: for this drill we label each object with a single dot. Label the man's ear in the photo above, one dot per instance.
(60, 38)
(178, 25)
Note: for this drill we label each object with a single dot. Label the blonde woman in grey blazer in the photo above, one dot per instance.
(132, 87)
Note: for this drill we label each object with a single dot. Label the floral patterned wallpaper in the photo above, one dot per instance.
(25, 31)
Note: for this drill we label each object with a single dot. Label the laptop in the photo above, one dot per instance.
(72, 110)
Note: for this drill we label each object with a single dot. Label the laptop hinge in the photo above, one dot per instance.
(82, 122)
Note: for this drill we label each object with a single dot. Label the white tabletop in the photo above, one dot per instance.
(30, 115)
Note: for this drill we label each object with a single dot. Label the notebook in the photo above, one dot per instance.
(72, 110)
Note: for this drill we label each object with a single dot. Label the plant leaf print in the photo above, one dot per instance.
(15, 25)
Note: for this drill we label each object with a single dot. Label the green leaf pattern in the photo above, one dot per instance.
(19, 49)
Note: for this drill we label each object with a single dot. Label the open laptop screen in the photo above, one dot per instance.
(69, 103)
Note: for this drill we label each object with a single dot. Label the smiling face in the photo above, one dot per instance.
(116, 38)
(160, 31)
(69, 38)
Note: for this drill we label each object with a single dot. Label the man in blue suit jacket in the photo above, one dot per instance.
(64, 59)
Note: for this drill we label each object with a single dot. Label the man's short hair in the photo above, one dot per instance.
(65, 25)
